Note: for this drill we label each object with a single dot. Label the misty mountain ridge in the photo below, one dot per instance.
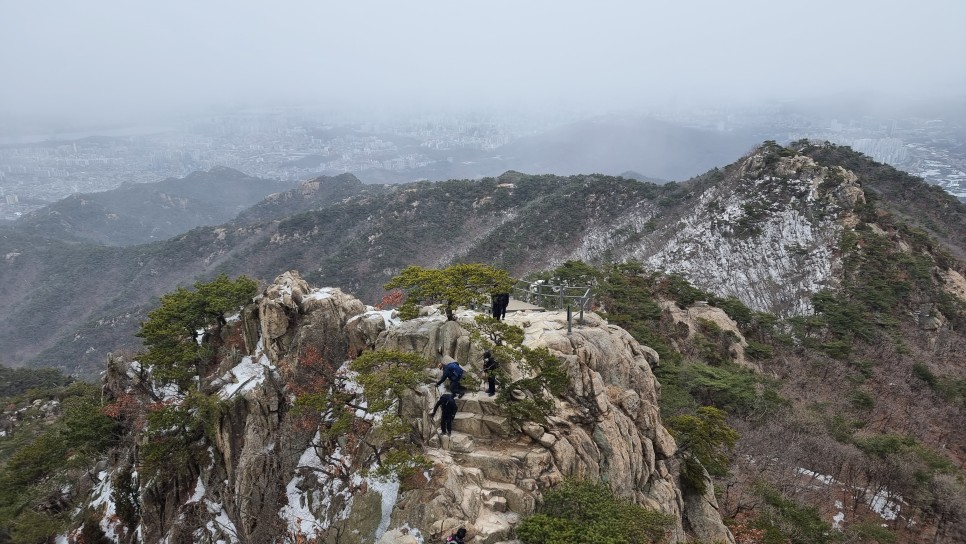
(523, 223)
(309, 195)
(612, 144)
(649, 148)
(132, 214)
(137, 213)
(630, 174)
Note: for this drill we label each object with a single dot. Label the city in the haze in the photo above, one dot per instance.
(37, 170)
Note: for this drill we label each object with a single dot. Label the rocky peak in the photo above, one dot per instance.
(266, 475)
(766, 232)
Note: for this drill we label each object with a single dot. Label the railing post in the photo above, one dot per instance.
(569, 320)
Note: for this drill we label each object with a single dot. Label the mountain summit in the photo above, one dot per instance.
(270, 468)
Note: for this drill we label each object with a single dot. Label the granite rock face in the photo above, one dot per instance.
(269, 474)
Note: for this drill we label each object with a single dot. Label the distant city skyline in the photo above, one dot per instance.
(289, 146)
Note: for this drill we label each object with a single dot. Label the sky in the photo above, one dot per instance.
(116, 58)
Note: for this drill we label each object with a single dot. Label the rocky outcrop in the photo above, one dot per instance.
(607, 428)
(765, 231)
(268, 475)
(291, 314)
(692, 318)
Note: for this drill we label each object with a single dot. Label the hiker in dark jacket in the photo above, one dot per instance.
(489, 367)
(457, 537)
(500, 301)
(453, 372)
(448, 404)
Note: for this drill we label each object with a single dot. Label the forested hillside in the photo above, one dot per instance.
(138, 213)
(765, 229)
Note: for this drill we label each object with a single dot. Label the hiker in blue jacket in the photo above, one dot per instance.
(454, 373)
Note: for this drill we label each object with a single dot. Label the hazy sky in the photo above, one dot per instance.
(114, 57)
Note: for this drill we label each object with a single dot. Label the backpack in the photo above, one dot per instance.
(456, 370)
(450, 405)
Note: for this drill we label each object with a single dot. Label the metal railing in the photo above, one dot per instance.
(556, 297)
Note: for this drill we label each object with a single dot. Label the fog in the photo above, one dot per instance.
(116, 59)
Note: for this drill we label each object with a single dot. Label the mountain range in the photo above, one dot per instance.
(814, 296)
(139, 213)
(611, 145)
(752, 229)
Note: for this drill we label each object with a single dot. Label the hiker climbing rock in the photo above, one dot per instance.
(448, 404)
(454, 373)
(489, 367)
(458, 537)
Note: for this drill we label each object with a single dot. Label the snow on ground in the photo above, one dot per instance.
(838, 518)
(886, 505)
(412, 531)
(389, 317)
(348, 378)
(304, 501)
(168, 393)
(310, 508)
(827, 480)
(284, 290)
(797, 256)
(319, 294)
(220, 527)
(348, 381)
(250, 372)
(389, 491)
(245, 376)
(882, 502)
(350, 385)
(102, 497)
(199, 492)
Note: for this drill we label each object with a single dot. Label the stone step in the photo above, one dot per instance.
(458, 442)
(495, 465)
(497, 504)
(494, 526)
(484, 426)
(519, 496)
(479, 403)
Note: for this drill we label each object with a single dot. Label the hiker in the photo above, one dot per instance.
(504, 302)
(454, 372)
(457, 537)
(499, 302)
(489, 367)
(448, 403)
